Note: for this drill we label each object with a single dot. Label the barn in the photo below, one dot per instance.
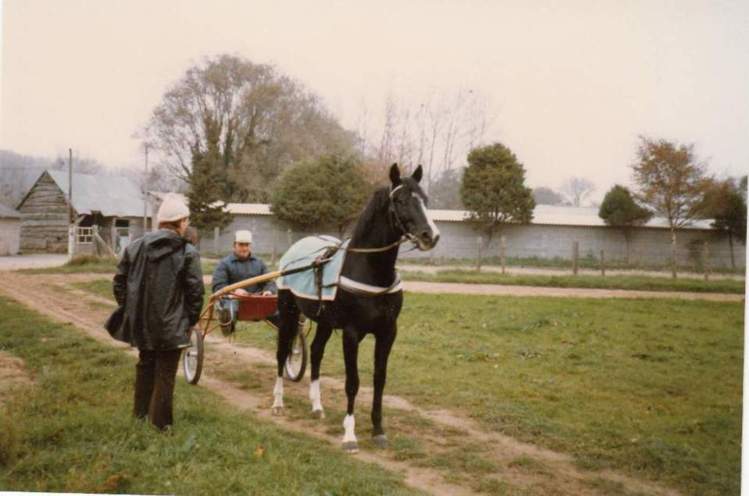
(10, 231)
(111, 207)
(551, 235)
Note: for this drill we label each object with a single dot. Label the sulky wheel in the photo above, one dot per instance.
(192, 362)
(296, 363)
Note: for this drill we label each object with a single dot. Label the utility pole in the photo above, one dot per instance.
(145, 194)
(71, 213)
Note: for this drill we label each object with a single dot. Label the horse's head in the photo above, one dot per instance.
(408, 205)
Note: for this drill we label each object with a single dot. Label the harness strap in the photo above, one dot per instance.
(363, 289)
(378, 250)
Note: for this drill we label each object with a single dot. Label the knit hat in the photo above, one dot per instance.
(243, 237)
(172, 209)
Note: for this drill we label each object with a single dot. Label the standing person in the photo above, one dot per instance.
(159, 289)
(238, 266)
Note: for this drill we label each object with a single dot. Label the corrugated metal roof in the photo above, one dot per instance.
(111, 195)
(8, 213)
(161, 194)
(552, 215)
(557, 215)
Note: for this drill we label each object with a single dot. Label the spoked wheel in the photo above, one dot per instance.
(192, 362)
(296, 363)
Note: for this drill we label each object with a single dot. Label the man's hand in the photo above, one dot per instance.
(241, 292)
(267, 293)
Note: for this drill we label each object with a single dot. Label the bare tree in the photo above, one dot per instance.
(577, 189)
(437, 132)
(249, 120)
(387, 142)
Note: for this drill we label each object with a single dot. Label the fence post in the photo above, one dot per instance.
(603, 264)
(273, 250)
(478, 258)
(706, 259)
(114, 236)
(215, 240)
(673, 254)
(575, 255)
(502, 252)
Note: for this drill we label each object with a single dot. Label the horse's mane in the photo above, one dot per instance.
(379, 201)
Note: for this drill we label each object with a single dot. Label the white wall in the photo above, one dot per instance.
(649, 246)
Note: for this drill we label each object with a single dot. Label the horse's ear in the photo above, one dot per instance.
(417, 174)
(395, 175)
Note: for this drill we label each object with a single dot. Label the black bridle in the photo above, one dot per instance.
(405, 235)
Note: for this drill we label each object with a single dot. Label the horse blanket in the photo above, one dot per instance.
(304, 252)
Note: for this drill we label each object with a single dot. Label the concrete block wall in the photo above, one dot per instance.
(649, 246)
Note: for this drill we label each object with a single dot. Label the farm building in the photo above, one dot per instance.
(550, 235)
(10, 231)
(110, 206)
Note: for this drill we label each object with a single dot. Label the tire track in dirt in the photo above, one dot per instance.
(39, 292)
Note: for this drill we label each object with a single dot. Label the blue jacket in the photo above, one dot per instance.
(231, 269)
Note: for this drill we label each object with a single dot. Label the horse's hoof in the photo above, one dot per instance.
(351, 447)
(277, 411)
(380, 441)
(318, 414)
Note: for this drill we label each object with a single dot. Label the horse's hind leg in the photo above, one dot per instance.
(287, 329)
(350, 357)
(383, 345)
(322, 334)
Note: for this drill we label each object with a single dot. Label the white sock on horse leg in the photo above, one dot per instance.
(278, 393)
(314, 395)
(349, 426)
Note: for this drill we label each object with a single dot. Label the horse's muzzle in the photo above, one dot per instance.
(427, 240)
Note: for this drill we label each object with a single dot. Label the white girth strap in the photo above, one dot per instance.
(346, 283)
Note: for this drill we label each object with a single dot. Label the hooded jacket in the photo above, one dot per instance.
(159, 289)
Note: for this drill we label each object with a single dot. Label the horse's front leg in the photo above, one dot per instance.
(383, 345)
(350, 357)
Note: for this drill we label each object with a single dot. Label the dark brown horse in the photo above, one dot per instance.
(368, 299)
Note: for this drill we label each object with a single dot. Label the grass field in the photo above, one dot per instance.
(649, 387)
(72, 431)
(638, 283)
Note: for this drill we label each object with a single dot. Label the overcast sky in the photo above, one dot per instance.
(571, 83)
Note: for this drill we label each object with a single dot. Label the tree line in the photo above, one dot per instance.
(243, 132)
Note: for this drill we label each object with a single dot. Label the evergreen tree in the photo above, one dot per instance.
(494, 190)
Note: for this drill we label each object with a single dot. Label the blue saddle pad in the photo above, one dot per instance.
(304, 252)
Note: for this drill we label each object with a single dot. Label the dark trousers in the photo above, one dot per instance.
(155, 374)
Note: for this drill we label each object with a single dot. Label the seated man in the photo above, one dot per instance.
(236, 267)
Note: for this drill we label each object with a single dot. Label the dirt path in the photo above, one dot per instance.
(438, 431)
(504, 290)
